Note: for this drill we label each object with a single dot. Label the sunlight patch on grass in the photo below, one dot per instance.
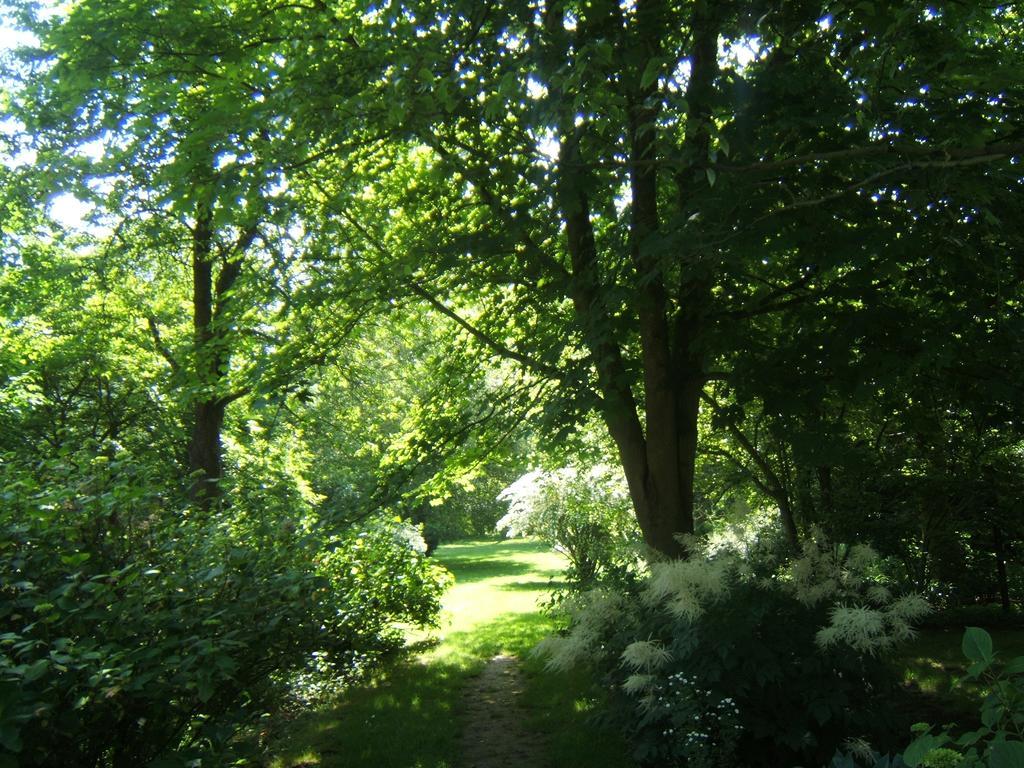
(409, 718)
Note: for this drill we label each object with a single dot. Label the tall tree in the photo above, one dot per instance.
(159, 119)
(620, 194)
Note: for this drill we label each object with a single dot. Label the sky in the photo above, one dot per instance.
(66, 209)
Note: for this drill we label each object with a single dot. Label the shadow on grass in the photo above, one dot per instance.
(469, 571)
(405, 721)
(535, 586)
(497, 548)
(411, 717)
(933, 666)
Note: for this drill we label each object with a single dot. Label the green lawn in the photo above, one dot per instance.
(409, 718)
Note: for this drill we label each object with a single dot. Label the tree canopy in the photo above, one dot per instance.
(349, 262)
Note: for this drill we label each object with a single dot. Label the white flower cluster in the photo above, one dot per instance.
(687, 586)
(827, 572)
(538, 499)
(645, 655)
(710, 720)
(866, 616)
(592, 614)
(870, 630)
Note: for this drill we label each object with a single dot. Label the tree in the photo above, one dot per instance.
(625, 199)
(159, 121)
(627, 194)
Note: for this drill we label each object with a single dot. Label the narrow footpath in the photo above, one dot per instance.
(493, 730)
(468, 699)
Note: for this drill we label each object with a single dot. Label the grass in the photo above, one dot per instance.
(934, 664)
(409, 717)
(934, 669)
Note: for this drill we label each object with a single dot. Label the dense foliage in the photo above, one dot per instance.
(131, 631)
(342, 272)
(725, 660)
(140, 625)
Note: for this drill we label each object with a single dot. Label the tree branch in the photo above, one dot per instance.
(162, 348)
(941, 155)
(501, 349)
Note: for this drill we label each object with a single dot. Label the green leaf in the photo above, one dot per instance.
(712, 176)
(36, 670)
(205, 690)
(971, 738)
(991, 714)
(1006, 754)
(977, 669)
(1015, 667)
(921, 746)
(977, 645)
(651, 72)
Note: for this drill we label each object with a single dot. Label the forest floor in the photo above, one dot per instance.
(471, 696)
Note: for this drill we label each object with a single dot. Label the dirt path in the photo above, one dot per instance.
(493, 732)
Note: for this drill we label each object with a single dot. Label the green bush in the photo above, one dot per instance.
(999, 742)
(711, 664)
(151, 636)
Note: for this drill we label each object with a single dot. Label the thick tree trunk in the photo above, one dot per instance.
(211, 297)
(657, 443)
(204, 450)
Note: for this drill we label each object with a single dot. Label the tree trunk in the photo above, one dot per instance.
(204, 450)
(828, 501)
(656, 441)
(1000, 553)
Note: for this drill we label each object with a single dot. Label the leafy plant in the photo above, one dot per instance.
(156, 647)
(582, 513)
(999, 742)
(712, 661)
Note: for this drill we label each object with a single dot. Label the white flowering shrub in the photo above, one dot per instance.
(585, 514)
(711, 662)
(863, 613)
(593, 614)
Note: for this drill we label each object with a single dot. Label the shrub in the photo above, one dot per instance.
(151, 638)
(586, 515)
(998, 743)
(711, 663)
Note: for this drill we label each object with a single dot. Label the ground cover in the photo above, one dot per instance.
(933, 664)
(412, 716)
(415, 714)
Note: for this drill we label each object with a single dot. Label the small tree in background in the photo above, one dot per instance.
(583, 513)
